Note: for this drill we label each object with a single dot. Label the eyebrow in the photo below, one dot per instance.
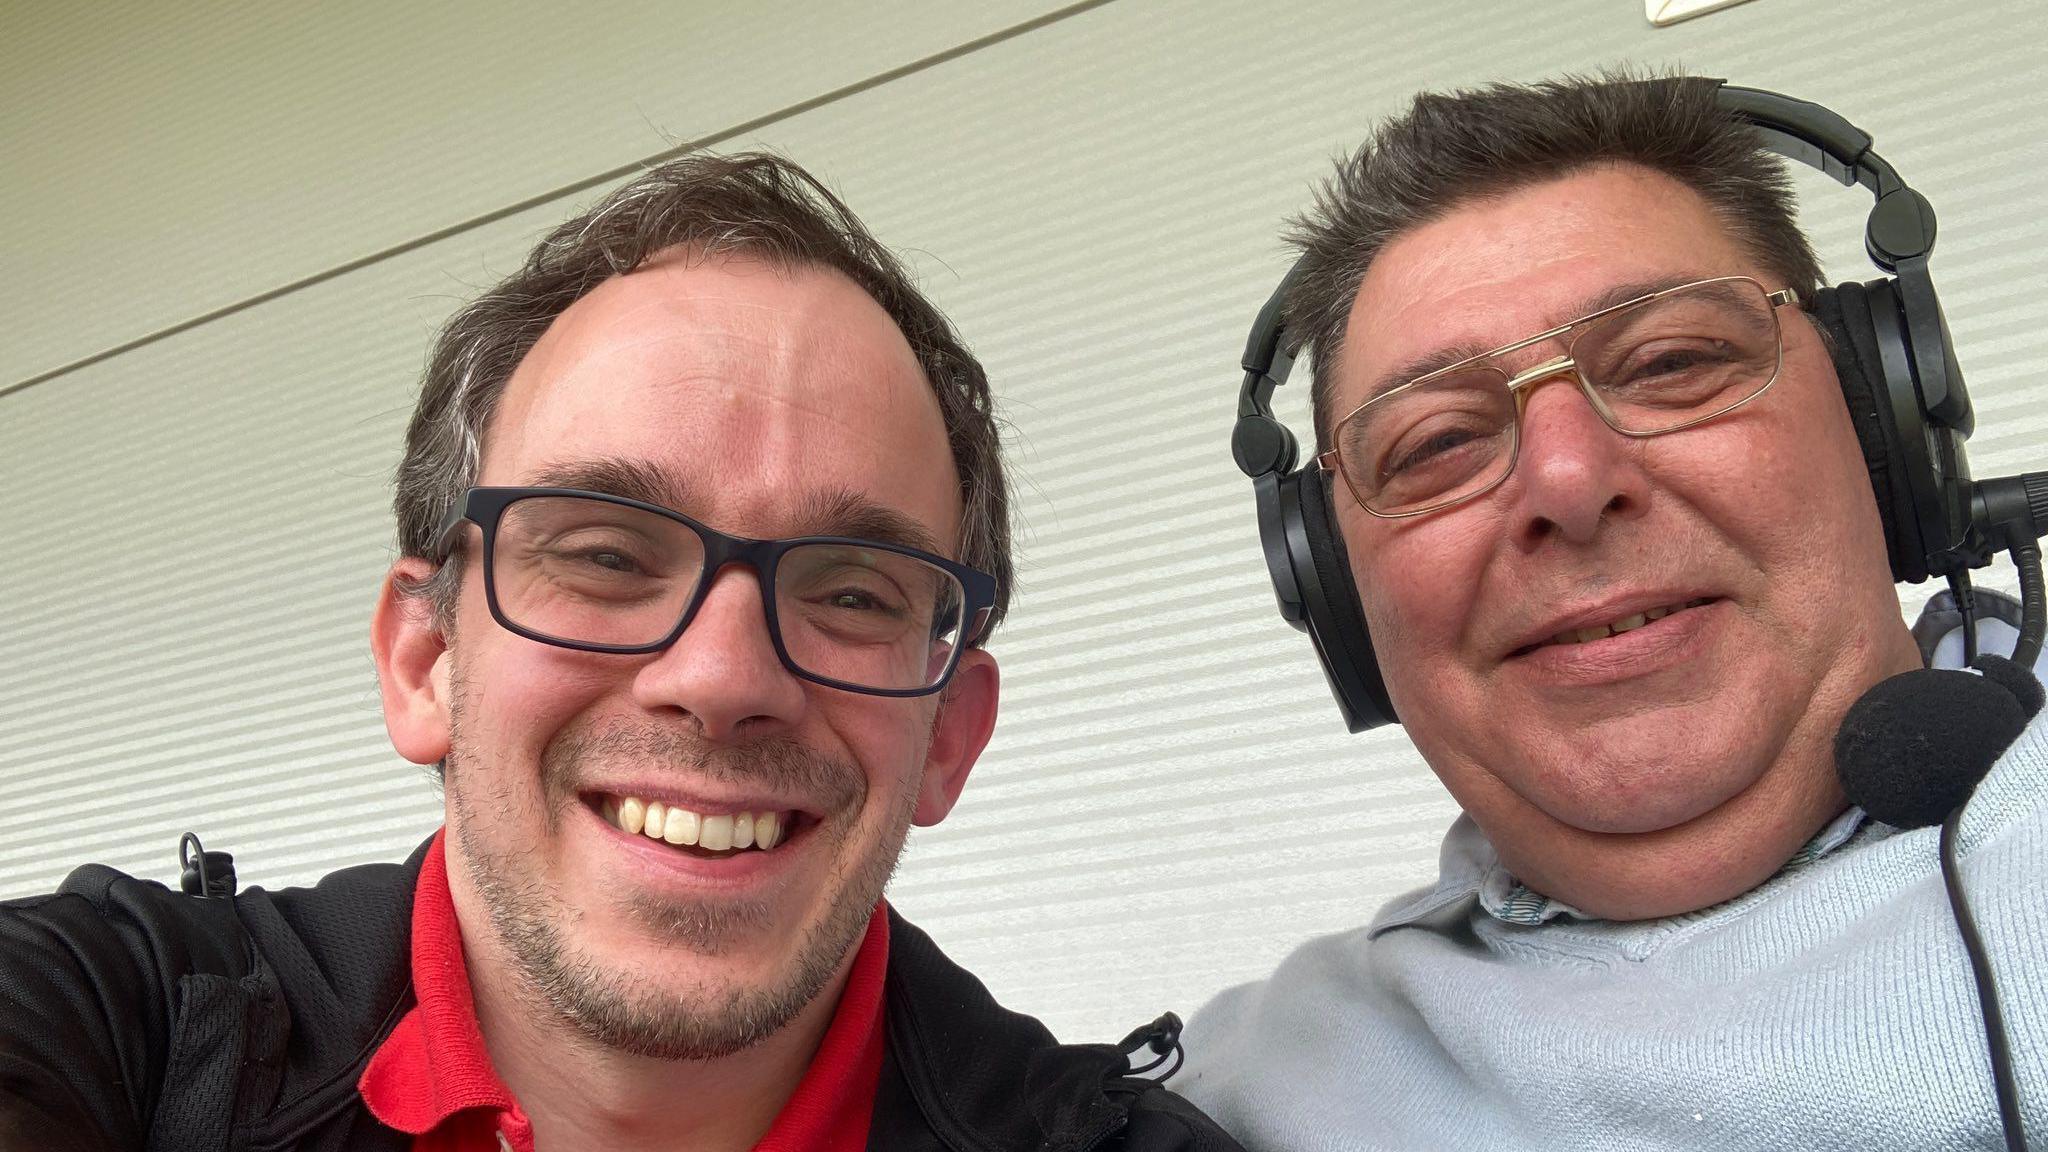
(1439, 359)
(848, 513)
(614, 476)
(840, 513)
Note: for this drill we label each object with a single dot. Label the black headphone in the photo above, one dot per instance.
(1890, 346)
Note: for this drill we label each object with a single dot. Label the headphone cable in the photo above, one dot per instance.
(2002, 1081)
(2026, 557)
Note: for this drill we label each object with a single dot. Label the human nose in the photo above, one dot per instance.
(723, 671)
(1572, 471)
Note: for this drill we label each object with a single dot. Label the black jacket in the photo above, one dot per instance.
(135, 1017)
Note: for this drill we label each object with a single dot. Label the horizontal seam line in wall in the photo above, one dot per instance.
(622, 171)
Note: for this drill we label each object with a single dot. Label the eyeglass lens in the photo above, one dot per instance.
(588, 571)
(1678, 358)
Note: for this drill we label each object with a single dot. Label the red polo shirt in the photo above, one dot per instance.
(433, 1079)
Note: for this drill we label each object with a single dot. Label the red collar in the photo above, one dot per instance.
(433, 1068)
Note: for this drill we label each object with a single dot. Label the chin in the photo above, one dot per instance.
(1641, 869)
(1636, 789)
(655, 976)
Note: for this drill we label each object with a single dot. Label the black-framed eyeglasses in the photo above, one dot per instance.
(602, 573)
(1659, 363)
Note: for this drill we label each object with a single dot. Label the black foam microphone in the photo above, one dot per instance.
(1913, 748)
(1910, 752)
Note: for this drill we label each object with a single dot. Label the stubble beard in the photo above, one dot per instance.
(609, 1003)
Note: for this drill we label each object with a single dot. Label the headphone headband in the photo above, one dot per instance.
(1901, 226)
(1815, 136)
(1262, 445)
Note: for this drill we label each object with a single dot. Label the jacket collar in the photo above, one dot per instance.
(340, 952)
(984, 1077)
(979, 1077)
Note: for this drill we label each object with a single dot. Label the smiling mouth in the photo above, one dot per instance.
(717, 837)
(1613, 627)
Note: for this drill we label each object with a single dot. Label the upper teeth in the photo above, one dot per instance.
(1625, 624)
(658, 821)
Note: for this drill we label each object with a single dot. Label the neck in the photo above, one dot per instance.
(578, 1093)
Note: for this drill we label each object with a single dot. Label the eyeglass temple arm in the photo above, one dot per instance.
(977, 629)
(445, 534)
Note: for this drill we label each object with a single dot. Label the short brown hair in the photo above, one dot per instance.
(1452, 149)
(752, 204)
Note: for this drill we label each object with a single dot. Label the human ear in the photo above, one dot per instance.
(412, 663)
(965, 721)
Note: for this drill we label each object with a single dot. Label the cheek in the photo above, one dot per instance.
(1789, 486)
(518, 695)
(887, 739)
(1810, 437)
(1417, 583)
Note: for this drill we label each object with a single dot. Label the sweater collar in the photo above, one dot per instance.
(1472, 875)
(1512, 902)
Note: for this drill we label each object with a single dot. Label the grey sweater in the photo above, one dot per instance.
(1831, 1007)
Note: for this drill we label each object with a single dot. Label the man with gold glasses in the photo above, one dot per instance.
(1588, 465)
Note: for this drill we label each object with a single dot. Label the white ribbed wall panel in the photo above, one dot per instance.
(190, 155)
(196, 527)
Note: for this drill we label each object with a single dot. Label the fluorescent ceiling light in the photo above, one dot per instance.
(1662, 12)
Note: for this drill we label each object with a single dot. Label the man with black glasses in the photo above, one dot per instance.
(1600, 517)
(703, 525)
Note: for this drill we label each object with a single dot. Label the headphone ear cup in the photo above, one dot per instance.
(1843, 314)
(1346, 620)
(1335, 620)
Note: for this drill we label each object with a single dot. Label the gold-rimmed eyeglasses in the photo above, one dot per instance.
(1662, 362)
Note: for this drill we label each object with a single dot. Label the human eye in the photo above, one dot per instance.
(1673, 357)
(1426, 447)
(1435, 452)
(598, 555)
(1674, 371)
(854, 594)
(600, 562)
(846, 579)
(1418, 443)
(856, 591)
